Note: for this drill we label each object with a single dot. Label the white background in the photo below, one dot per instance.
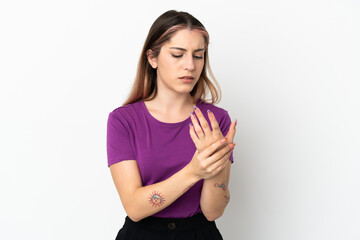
(289, 72)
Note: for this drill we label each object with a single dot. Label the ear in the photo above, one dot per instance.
(151, 58)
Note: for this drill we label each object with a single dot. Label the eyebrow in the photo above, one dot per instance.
(183, 49)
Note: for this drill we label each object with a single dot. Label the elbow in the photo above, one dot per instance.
(134, 214)
(134, 218)
(212, 216)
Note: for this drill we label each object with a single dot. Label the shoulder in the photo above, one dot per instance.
(128, 111)
(126, 115)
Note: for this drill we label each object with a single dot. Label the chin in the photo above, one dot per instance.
(185, 90)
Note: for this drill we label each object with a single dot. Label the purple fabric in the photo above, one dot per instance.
(160, 149)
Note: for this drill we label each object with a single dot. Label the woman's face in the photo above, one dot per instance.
(180, 62)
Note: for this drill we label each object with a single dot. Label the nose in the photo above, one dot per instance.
(189, 63)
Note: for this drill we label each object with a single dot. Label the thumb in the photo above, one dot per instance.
(232, 129)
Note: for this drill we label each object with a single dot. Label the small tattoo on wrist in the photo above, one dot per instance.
(222, 186)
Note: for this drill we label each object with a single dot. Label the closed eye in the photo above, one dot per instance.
(176, 56)
(179, 56)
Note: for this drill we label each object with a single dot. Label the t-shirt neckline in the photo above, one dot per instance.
(176, 124)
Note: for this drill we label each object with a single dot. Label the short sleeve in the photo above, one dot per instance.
(224, 125)
(118, 140)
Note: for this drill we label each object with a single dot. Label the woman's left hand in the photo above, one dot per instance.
(201, 133)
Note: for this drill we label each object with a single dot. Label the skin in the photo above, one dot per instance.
(180, 56)
(173, 101)
(213, 198)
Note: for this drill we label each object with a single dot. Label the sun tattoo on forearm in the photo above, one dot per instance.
(156, 199)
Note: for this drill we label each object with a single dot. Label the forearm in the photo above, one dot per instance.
(148, 200)
(215, 194)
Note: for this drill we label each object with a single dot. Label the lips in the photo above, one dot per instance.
(187, 78)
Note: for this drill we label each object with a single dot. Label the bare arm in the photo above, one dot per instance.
(143, 201)
(215, 194)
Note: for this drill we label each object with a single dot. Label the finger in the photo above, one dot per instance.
(232, 130)
(220, 165)
(225, 164)
(193, 135)
(227, 143)
(196, 125)
(204, 124)
(217, 156)
(214, 125)
(213, 147)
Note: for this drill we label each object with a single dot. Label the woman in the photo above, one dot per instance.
(171, 169)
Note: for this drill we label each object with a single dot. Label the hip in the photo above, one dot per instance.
(195, 227)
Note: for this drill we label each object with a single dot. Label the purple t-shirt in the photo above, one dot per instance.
(160, 149)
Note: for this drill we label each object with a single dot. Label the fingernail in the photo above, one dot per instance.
(232, 145)
(191, 114)
(223, 140)
(194, 108)
(208, 111)
(235, 122)
(190, 125)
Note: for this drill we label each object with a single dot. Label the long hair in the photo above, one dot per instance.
(164, 27)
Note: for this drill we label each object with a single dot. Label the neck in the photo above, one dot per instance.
(172, 103)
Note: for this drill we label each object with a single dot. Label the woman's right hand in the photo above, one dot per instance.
(209, 162)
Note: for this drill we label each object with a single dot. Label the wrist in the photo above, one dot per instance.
(190, 173)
